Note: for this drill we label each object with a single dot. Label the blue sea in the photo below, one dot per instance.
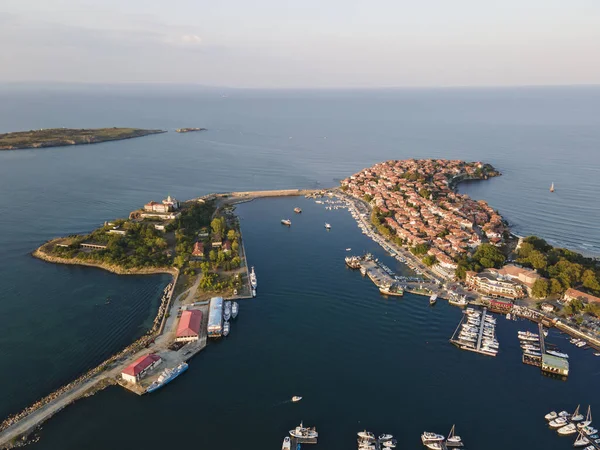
(316, 329)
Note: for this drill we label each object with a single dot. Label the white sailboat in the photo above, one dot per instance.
(588, 419)
(453, 439)
(577, 416)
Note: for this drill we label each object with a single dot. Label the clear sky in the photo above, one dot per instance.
(302, 43)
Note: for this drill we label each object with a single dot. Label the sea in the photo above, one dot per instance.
(316, 329)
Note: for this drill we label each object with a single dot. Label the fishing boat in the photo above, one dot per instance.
(453, 440)
(226, 328)
(304, 432)
(327, 226)
(552, 187)
(287, 222)
(235, 308)
(296, 398)
(167, 376)
(433, 299)
(286, 444)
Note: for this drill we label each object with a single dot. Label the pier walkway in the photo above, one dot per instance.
(481, 327)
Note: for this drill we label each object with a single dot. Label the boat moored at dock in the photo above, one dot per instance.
(433, 299)
(253, 279)
(167, 376)
(235, 308)
(302, 432)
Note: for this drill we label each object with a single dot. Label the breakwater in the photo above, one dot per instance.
(96, 379)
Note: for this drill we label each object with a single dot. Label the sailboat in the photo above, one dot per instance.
(552, 188)
(577, 416)
(453, 440)
(581, 440)
(588, 419)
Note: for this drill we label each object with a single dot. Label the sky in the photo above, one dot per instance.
(303, 43)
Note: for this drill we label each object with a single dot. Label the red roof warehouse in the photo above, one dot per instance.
(189, 326)
(136, 370)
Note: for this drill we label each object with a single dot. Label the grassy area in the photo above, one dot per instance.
(56, 137)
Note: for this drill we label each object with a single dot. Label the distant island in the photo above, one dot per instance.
(187, 130)
(59, 137)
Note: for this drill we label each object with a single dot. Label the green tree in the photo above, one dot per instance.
(419, 249)
(205, 267)
(179, 261)
(367, 198)
(589, 280)
(537, 260)
(231, 235)
(218, 225)
(540, 288)
(424, 192)
(429, 260)
(488, 255)
(212, 255)
(235, 247)
(555, 287)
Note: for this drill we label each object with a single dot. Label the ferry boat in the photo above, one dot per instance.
(327, 226)
(167, 376)
(253, 280)
(433, 299)
(394, 289)
(304, 432)
(226, 328)
(297, 210)
(296, 398)
(287, 222)
(235, 308)
(287, 445)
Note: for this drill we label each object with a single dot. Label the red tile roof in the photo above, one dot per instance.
(189, 324)
(141, 364)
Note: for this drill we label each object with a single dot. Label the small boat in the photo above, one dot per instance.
(389, 444)
(453, 439)
(551, 415)
(348, 249)
(581, 344)
(567, 429)
(433, 299)
(226, 328)
(286, 444)
(253, 292)
(552, 187)
(385, 437)
(304, 432)
(564, 414)
(327, 226)
(253, 279)
(297, 210)
(296, 398)
(428, 437)
(287, 222)
(596, 353)
(507, 316)
(365, 436)
(434, 446)
(235, 308)
(558, 422)
(581, 440)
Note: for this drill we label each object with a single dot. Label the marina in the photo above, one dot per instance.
(476, 333)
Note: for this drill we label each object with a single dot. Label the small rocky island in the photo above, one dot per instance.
(59, 137)
(187, 130)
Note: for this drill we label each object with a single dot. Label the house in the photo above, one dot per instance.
(198, 249)
(547, 307)
(188, 329)
(226, 247)
(167, 205)
(136, 370)
(571, 294)
(203, 233)
(526, 277)
(217, 241)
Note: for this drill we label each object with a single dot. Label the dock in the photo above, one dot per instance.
(477, 347)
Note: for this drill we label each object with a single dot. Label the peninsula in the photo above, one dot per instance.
(187, 130)
(60, 137)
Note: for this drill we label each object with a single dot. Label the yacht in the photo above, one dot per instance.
(235, 308)
(434, 446)
(227, 310)
(296, 398)
(287, 222)
(567, 429)
(303, 432)
(428, 437)
(366, 435)
(286, 444)
(551, 415)
(253, 280)
(226, 328)
(558, 422)
(433, 299)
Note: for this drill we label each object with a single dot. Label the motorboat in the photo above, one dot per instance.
(389, 444)
(428, 437)
(253, 292)
(304, 432)
(235, 308)
(551, 415)
(327, 226)
(434, 446)
(567, 429)
(366, 435)
(296, 398)
(253, 279)
(226, 328)
(453, 439)
(581, 344)
(564, 414)
(385, 437)
(433, 299)
(589, 430)
(287, 222)
(287, 445)
(558, 422)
